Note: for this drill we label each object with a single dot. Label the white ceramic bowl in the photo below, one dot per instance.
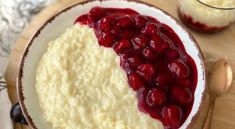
(55, 26)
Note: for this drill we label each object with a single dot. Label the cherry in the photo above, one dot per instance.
(184, 82)
(122, 45)
(158, 44)
(156, 97)
(149, 54)
(156, 115)
(126, 34)
(125, 22)
(135, 81)
(163, 80)
(83, 20)
(146, 71)
(172, 54)
(106, 39)
(150, 29)
(134, 61)
(96, 13)
(172, 116)
(116, 30)
(140, 21)
(164, 29)
(156, 38)
(107, 23)
(160, 65)
(179, 69)
(143, 106)
(155, 112)
(140, 41)
(182, 96)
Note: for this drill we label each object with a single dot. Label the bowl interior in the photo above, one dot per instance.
(58, 24)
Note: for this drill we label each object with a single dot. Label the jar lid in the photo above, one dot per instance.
(216, 7)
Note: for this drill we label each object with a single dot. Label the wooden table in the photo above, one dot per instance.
(217, 45)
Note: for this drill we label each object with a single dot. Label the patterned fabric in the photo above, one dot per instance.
(14, 16)
(3, 84)
(5, 106)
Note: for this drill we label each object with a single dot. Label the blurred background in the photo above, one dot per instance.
(14, 17)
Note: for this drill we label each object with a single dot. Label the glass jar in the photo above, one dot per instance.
(207, 15)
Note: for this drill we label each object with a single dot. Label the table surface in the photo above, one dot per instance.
(217, 45)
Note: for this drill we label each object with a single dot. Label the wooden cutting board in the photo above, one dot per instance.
(217, 45)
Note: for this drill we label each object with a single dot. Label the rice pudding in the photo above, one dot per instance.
(76, 94)
(116, 68)
(204, 18)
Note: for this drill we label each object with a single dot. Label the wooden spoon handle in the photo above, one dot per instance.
(207, 122)
(209, 115)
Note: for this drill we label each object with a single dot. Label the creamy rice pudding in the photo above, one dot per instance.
(116, 68)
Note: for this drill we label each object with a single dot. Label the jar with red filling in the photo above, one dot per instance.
(207, 15)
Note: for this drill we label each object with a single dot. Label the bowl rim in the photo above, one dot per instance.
(19, 85)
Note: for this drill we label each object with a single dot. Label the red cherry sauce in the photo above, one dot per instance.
(154, 59)
(190, 22)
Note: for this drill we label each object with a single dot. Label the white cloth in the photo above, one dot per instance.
(14, 16)
(5, 106)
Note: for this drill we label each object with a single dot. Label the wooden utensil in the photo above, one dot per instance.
(219, 83)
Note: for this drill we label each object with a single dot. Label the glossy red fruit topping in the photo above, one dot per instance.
(125, 66)
(122, 45)
(107, 23)
(146, 71)
(158, 44)
(135, 81)
(156, 115)
(150, 29)
(156, 97)
(180, 95)
(96, 13)
(116, 31)
(179, 68)
(140, 21)
(134, 61)
(142, 105)
(106, 39)
(172, 54)
(126, 34)
(140, 41)
(125, 22)
(154, 59)
(82, 20)
(149, 54)
(172, 116)
(164, 80)
(184, 82)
